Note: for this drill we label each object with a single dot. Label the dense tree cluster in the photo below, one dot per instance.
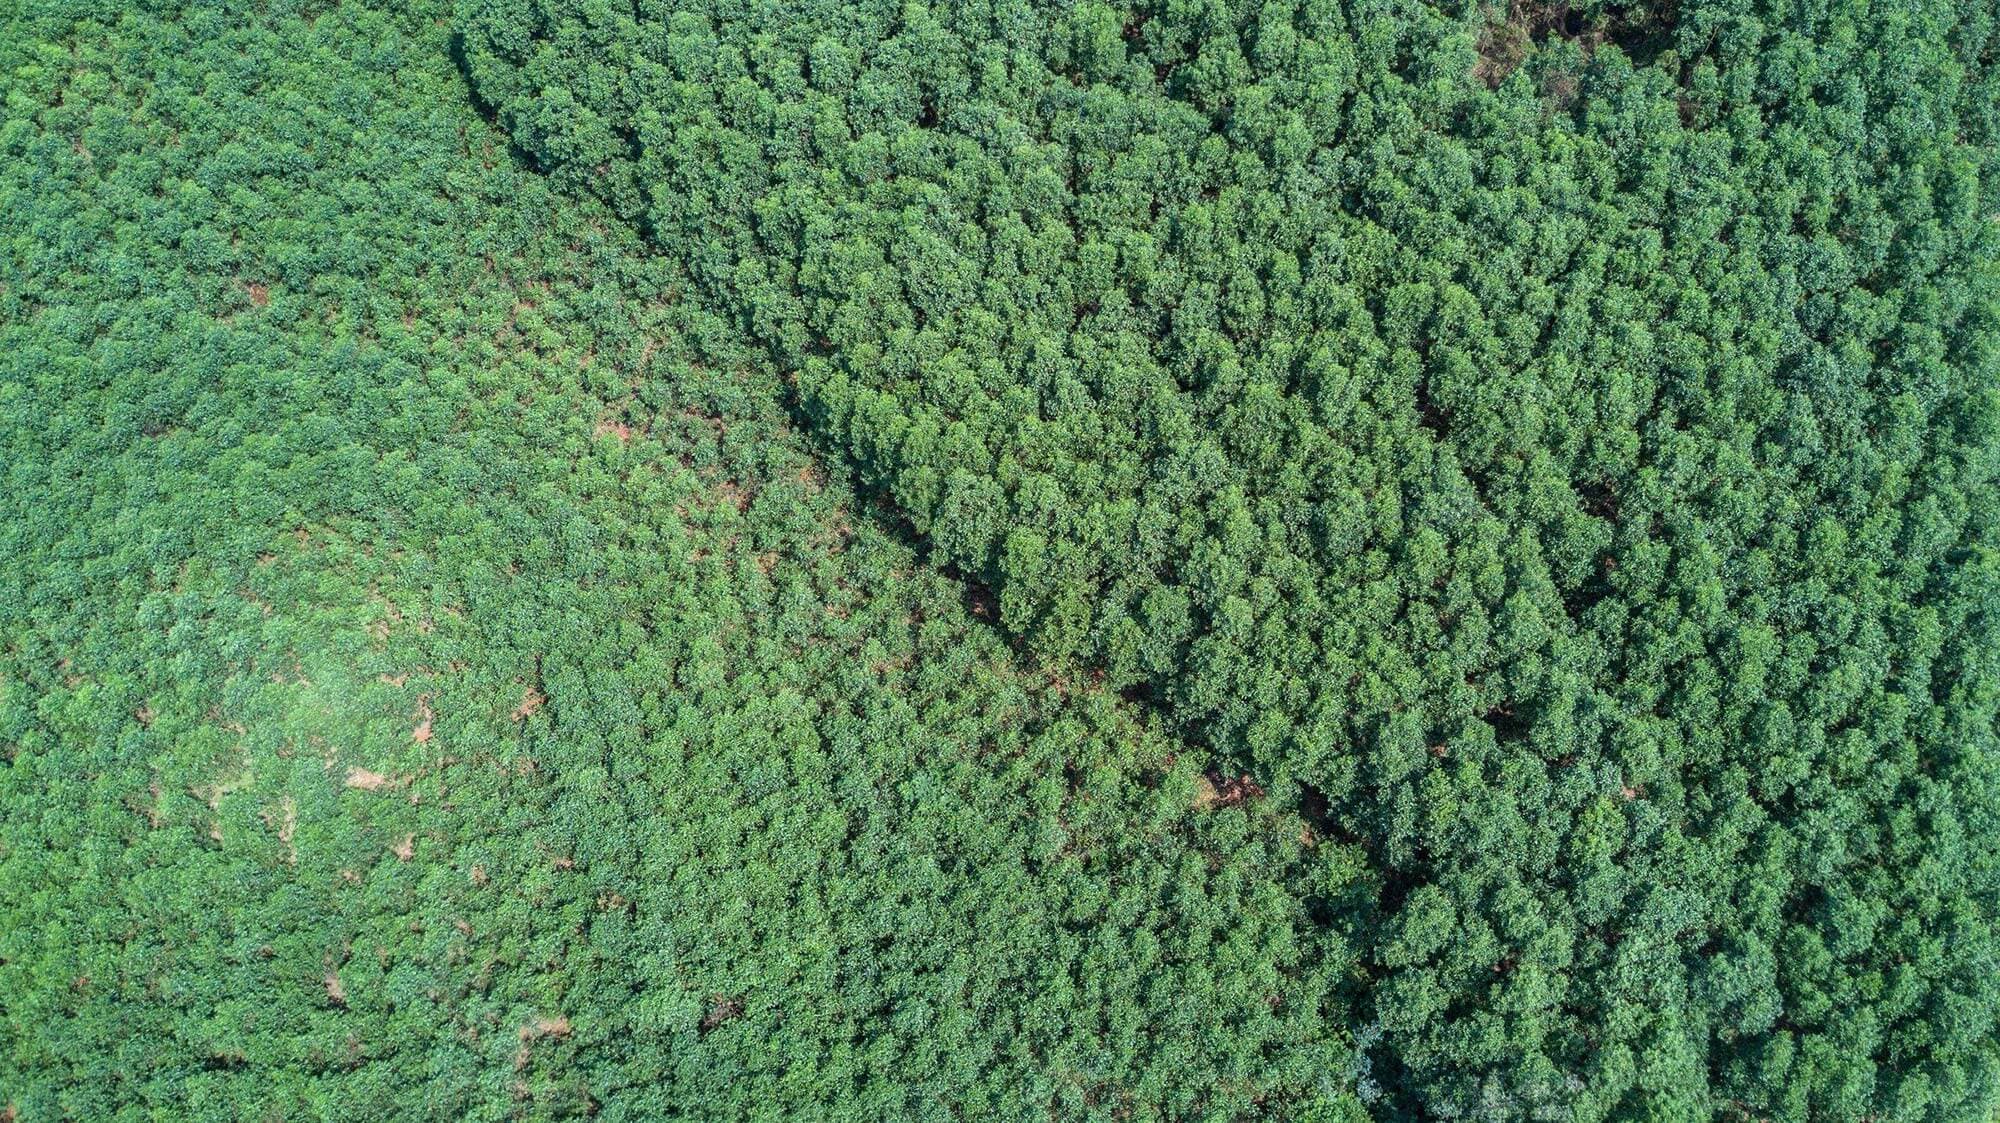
(1318, 560)
(1579, 492)
(439, 683)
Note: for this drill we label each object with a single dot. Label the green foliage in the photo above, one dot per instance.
(439, 683)
(1581, 491)
(715, 560)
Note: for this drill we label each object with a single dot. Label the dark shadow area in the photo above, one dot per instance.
(488, 112)
(1642, 29)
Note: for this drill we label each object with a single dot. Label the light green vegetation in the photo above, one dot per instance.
(439, 682)
(1320, 561)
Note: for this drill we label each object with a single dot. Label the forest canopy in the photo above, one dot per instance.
(1330, 560)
